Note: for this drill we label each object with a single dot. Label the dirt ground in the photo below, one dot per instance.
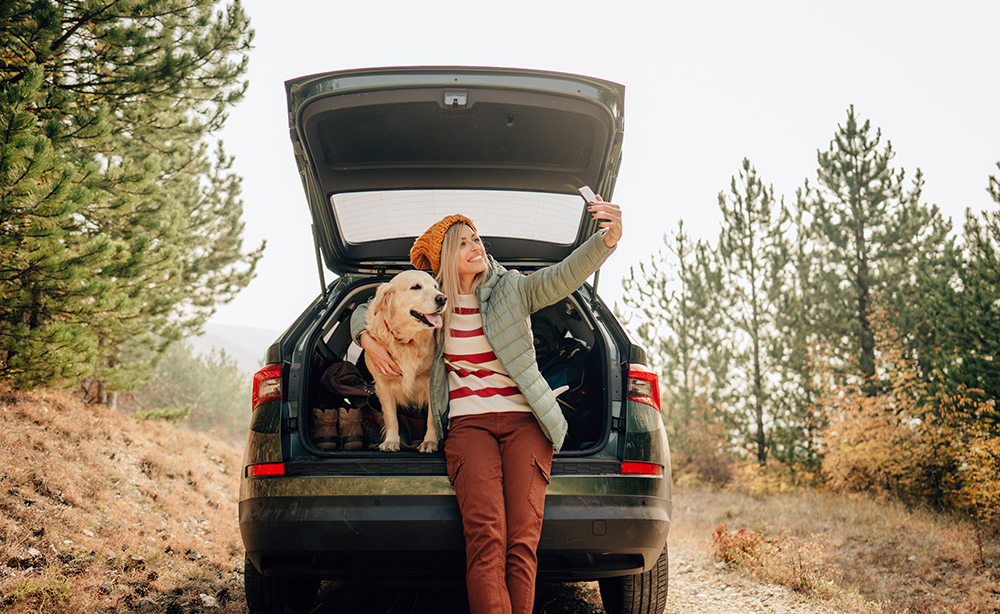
(698, 587)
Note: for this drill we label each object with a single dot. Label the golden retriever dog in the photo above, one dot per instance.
(403, 316)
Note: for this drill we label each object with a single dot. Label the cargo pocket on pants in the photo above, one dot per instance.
(457, 479)
(540, 478)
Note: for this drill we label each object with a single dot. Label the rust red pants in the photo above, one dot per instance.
(500, 464)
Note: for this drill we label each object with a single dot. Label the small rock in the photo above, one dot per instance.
(34, 552)
(208, 601)
(88, 533)
(147, 604)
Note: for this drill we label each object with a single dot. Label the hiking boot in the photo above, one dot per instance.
(324, 431)
(351, 432)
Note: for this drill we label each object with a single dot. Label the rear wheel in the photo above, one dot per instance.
(269, 595)
(643, 593)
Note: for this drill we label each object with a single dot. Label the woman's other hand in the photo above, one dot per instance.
(610, 216)
(379, 355)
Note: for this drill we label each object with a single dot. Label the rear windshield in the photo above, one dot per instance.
(537, 216)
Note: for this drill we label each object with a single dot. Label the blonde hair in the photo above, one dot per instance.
(448, 272)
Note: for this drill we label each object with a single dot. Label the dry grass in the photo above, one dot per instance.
(100, 512)
(854, 552)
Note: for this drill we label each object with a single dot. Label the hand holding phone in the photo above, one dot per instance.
(589, 196)
(608, 217)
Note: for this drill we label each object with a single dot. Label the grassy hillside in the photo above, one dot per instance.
(101, 512)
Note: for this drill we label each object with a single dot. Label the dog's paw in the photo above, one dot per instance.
(389, 446)
(428, 446)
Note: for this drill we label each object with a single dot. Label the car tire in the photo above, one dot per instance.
(642, 593)
(270, 595)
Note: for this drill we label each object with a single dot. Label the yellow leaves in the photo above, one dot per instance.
(904, 443)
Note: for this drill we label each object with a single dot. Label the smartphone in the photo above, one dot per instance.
(589, 196)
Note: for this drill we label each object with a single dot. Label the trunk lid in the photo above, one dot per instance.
(383, 153)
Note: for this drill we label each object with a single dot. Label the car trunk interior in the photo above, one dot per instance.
(568, 351)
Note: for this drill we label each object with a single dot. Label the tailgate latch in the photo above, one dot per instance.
(456, 98)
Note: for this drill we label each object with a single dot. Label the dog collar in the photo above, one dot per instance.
(392, 333)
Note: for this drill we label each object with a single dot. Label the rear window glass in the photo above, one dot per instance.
(371, 216)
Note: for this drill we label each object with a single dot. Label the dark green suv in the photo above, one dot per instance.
(383, 153)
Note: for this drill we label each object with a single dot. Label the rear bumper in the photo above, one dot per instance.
(410, 537)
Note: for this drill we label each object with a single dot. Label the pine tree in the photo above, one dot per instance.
(967, 310)
(122, 230)
(800, 418)
(672, 311)
(674, 315)
(754, 259)
(207, 393)
(47, 292)
(870, 232)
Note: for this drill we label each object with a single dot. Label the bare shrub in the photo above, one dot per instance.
(801, 563)
(743, 547)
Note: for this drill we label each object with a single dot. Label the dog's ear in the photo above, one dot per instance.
(382, 303)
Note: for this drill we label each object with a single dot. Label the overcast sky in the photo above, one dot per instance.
(706, 85)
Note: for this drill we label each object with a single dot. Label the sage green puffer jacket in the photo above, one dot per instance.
(507, 299)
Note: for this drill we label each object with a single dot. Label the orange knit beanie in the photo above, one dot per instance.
(426, 250)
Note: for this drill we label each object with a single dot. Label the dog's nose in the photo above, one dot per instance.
(440, 300)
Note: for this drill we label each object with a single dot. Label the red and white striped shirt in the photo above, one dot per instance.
(477, 382)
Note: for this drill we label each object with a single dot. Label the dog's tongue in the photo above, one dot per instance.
(434, 319)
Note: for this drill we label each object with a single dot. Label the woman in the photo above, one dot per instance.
(500, 421)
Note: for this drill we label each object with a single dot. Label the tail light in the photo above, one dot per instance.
(266, 385)
(643, 385)
(265, 469)
(640, 468)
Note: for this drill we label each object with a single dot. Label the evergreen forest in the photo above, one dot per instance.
(846, 337)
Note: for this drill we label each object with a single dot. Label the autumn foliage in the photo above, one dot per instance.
(899, 440)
